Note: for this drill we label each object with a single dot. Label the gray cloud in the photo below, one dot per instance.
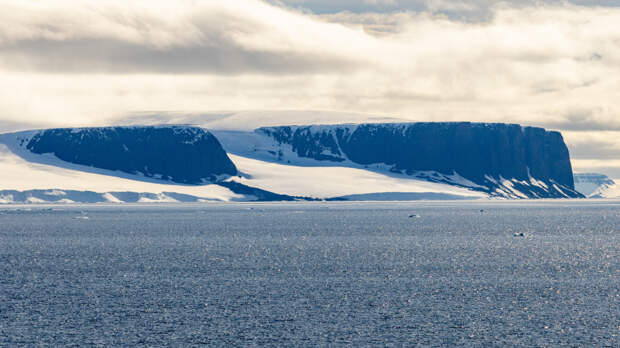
(610, 168)
(583, 120)
(116, 56)
(471, 10)
(598, 149)
(14, 126)
(595, 151)
(203, 37)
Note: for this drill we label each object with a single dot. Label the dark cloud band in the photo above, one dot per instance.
(116, 56)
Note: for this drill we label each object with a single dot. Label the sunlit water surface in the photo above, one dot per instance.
(358, 274)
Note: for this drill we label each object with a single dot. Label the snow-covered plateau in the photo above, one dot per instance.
(267, 168)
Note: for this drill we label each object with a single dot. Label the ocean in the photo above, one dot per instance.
(505, 273)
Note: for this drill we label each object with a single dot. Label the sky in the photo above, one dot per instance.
(554, 64)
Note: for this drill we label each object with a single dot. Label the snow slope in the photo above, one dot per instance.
(335, 181)
(612, 191)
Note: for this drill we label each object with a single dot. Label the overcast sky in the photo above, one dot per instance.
(549, 63)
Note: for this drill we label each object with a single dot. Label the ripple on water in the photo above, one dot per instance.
(302, 274)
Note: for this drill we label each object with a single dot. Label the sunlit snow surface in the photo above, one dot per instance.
(322, 274)
(335, 181)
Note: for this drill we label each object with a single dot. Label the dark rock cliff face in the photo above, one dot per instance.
(485, 154)
(181, 154)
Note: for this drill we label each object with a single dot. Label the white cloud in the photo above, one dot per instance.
(81, 62)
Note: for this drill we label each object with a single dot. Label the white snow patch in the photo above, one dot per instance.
(612, 191)
(34, 200)
(65, 201)
(55, 193)
(159, 198)
(491, 179)
(460, 180)
(557, 187)
(6, 199)
(536, 182)
(509, 187)
(111, 198)
(332, 181)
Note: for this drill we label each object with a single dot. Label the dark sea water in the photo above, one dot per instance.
(324, 274)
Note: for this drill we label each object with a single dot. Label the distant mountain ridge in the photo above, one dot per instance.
(594, 185)
(369, 161)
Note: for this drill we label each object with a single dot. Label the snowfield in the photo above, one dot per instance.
(334, 181)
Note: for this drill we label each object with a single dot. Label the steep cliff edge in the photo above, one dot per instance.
(505, 160)
(181, 154)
